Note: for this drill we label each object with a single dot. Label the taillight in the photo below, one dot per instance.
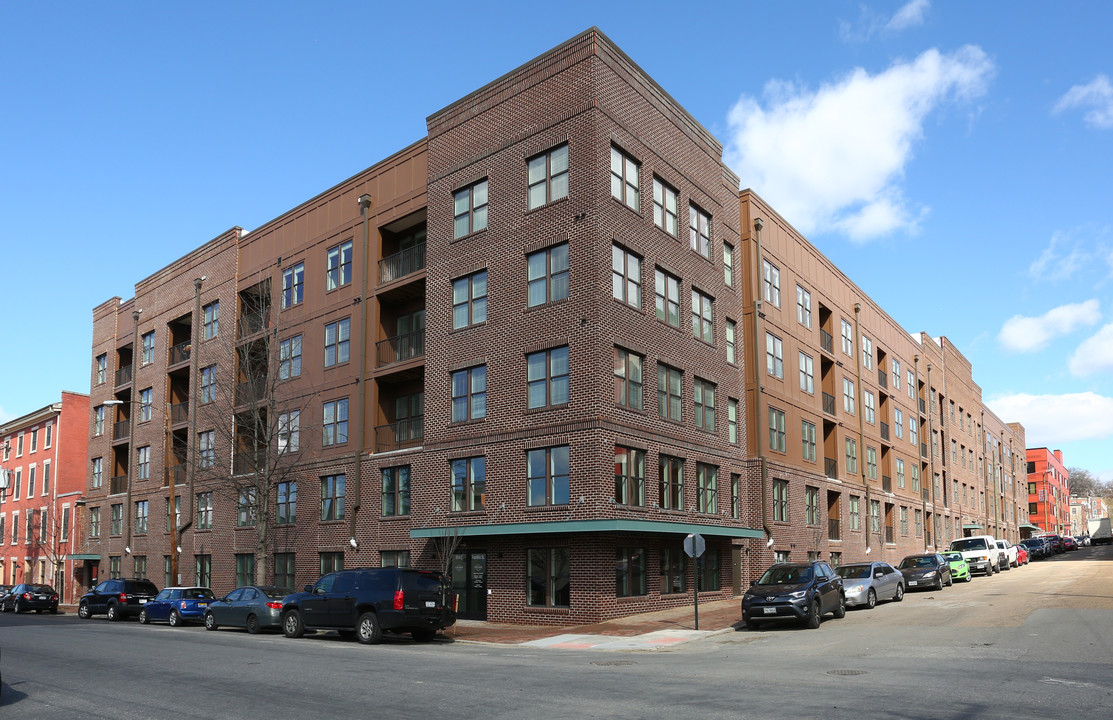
(123, 597)
(398, 595)
(182, 604)
(27, 596)
(274, 605)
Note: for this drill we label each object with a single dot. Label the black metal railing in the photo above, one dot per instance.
(179, 412)
(886, 483)
(400, 434)
(829, 403)
(922, 406)
(123, 375)
(826, 341)
(925, 494)
(882, 379)
(831, 467)
(923, 450)
(118, 484)
(401, 264)
(400, 348)
(889, 533)
(179, 473)
(252, 391)
(249, 461)
(253, 322)
(120, 430)
(884, 431)
(833, 529)
(179, 353)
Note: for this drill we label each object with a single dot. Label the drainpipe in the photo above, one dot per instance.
(758, 225)
(191, 441)
(935, 522)
(361, 400)
(861, 420)
(926, 432)
(132, 464)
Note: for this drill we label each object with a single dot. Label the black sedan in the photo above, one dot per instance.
(254, 607)
(930, 570)
(27, 596)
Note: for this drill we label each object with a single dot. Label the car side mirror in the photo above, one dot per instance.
(308, 588)
(878, 573)
(753, 582)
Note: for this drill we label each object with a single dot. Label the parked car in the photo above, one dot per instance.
(1009, 554)
(866, 583)
(28, 596)
(981, 552)
(794, 591)
(254, 607)
(366, 602)
(177, 605)
(117, 598)
(4, 591)
(1037, 548)
(1055, 541)
(1069, 543)
(1022, 557)
(927, 570)
(960, 570)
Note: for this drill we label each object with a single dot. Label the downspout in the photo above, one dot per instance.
(923, 500)
(132, 464)
(758, 225)
(861, 420)
(191, 441)
(927, 432)
(361, 401)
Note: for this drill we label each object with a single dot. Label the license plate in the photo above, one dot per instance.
(430, 603)
(911, 583)
(769, 611)
(142, 601)
(40, 597)
(202, 604)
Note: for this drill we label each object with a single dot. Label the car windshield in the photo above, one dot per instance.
(276, 592)
(786, 576)
(853, 572)
(40, 589)
(968, 544)
(954, 557)
(916, 562)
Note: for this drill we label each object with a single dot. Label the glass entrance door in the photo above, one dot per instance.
(469, 582)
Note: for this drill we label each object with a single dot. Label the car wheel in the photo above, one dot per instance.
(899, 594)
(750, 623)
(210, 622)
(83, 611)
(38, 611)
(252, 624)
(423, 635)
(18, 608)
(112, 613)
(871, 599)
(175, 619)
(54, 610)
(950, 580)
(814, 616)
(840, 609)
(144, 618)
(969, 577)
(368, 631)
(292, 626)
(939, 582)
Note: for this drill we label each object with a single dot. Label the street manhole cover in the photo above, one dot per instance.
(846, 672)
(613, 663)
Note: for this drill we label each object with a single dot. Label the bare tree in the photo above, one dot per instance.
(46, 543)
(256, 412)
(446, 545)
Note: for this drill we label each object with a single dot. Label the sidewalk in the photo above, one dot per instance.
(661, 628)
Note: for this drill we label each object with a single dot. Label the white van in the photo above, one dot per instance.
(981, 553)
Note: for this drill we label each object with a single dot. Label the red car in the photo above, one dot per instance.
(1069, 543)
(1021, 556)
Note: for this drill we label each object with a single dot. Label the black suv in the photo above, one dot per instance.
(117, 598)
(794, 591)
(366, 602)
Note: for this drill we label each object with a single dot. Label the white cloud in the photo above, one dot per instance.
(833, 158)
(909, 15)
(1094, 355)
(1051, 420)
(1028, 334)
(1053, 265)
(1097, 96)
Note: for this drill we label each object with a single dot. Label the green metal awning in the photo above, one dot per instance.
(1029, 526)
(83, 556)
(972, 526)
(589, 526)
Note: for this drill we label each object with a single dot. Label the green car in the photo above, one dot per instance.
(959, 569)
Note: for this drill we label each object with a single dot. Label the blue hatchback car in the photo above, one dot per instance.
(177, 606)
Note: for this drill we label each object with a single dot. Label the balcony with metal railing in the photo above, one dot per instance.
(400, 348)
(118, 484)
(882, 379)
(887, 483)
(123, 375)
(834, 528)
(401, 264)
(179, 354)
(252, 323)
(121, 429)
(179, 473)
(884, 431)
(923, 450)
(826, 341)
(829, 403)
(251, 392)
(401, 434)
(831, 467)
(889, 534)
(179, 413)
(247, 461)
(923, 407)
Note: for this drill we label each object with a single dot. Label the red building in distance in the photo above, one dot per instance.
(1048, 490)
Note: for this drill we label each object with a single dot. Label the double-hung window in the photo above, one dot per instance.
(628, 379)
(777, 438)
(629, 476)
(289, 431)
(669, 381)
(210, 326)
(803, 307)
(728, 265)
(548, 176)
(807, 442)
(547, 473)
(847, 338)
(771, 283)
(547, 377)
(625, 178)
(469, 394)
(204, 511)
(293, 285)
(469, 484)
(807, 374)
(469, 208)
(338, 265)
(337, 342)
(208, 384)
(469, 300)
(289, 358)
(868, 406)
(668, 298)
(396, 491)
(332, 497)
(731, 330)
(774, 356)
(848, 403)
(206, 448)
(665, 207)
(334, 426)
(704, 396)
(142, 462)
(626, 276)
(148, 347)
(699, 230)
(286, 503)
(547, 275)
(146, 400)
(703, 316)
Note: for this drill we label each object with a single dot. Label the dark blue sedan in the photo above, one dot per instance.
(177, 605)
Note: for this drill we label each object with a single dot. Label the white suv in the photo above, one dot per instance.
(1012, 555)
(981, 553)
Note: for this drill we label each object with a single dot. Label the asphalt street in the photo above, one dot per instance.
(1032, 642)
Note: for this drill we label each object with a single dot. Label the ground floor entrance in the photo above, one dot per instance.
(469, 582)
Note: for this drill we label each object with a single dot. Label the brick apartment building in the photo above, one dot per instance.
(443, 361)
(872, 439)
(1048, 490)
(44, 456)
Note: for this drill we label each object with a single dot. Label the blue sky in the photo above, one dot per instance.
(968, 144)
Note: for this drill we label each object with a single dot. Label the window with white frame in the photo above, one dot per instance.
(803, 307)
(774, 356)
(807, 434)
(848, 403)
(289, 358)
(896, 374)
(293, 285)
(338, 265)
(868, 406)
(771, 283)
(847, 338)
(807, 373)
(867, 353)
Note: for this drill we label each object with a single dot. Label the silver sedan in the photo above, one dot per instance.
(253, 607)
(866, 583)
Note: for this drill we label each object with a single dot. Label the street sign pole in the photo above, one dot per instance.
(694, 546)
